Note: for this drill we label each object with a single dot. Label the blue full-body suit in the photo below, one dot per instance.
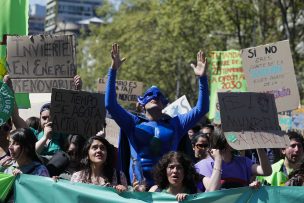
(150, 140)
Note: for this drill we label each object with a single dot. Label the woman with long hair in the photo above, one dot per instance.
(98, 166)
(175, 174)
(22, 151)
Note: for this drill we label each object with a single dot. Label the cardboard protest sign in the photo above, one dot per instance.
(77, 112)
(250, 120)
(179, 106)
(42, 85)
(7, 103)
(217, 116)
(298, 119)
(112, 131)
(269, 68)
(126, 90)
(226, 73)
(41, 62)
(285, 122)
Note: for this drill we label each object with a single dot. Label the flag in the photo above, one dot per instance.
(13, 21)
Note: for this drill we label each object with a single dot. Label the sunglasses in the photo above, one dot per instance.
(202, 145)
(5, 127)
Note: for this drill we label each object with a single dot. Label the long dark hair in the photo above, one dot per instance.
(27, 140)
(191, 177)
(108, 164)
(79, 142)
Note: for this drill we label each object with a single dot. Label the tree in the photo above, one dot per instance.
(160, 38)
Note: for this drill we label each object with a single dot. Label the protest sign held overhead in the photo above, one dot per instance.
(226, 73)
(179, 106)
(126, 91)
(250, 120)
(77, 112)
(297, 117)
(41, 62)
(269, 68)
(112, 131)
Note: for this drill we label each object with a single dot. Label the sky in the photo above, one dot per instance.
(41, 2)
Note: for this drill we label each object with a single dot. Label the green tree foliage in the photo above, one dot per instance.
(160, 38)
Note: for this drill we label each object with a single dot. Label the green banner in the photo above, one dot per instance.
(226, 73)
(23, 100)
(7, 102)
(13, 21)
(30, 188)
(6, 183)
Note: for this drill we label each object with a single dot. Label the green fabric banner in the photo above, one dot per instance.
(226, 73)
(13, 21)
(23, 100)
(7, 102)
(41, 189)
(6, 183)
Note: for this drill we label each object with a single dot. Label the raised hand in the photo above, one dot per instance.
(48, 130)
(201, 67)
(116, 61)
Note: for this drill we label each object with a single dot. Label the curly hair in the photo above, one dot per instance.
(108, 164)
(191, 177)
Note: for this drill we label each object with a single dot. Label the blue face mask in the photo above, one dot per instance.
(153, 93)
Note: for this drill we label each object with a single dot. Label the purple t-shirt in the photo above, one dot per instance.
(236, 173)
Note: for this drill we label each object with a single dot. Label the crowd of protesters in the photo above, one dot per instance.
(157, 158)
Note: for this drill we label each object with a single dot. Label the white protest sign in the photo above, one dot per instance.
(269, 68)
(179, 106)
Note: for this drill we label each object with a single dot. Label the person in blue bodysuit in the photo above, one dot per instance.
(157, 134)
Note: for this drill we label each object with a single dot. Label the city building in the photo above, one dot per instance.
(62, 16)
(36, 19)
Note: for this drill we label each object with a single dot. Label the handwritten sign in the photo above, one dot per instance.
(77, 112)
(250, 120)
(48, 60)
(269, 68)
(179, 106)
(112, 131)
(285, 122)
(127, 91)
(42, 85)
(298, 119)
(226, 73)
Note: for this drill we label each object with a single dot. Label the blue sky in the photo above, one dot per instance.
(41, 2)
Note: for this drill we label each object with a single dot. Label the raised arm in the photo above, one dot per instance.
(202, 106)
(214, 182)
(123, 118)
(264, 169)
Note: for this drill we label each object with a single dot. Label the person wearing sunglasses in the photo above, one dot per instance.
(151, 137)
(200, 145)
